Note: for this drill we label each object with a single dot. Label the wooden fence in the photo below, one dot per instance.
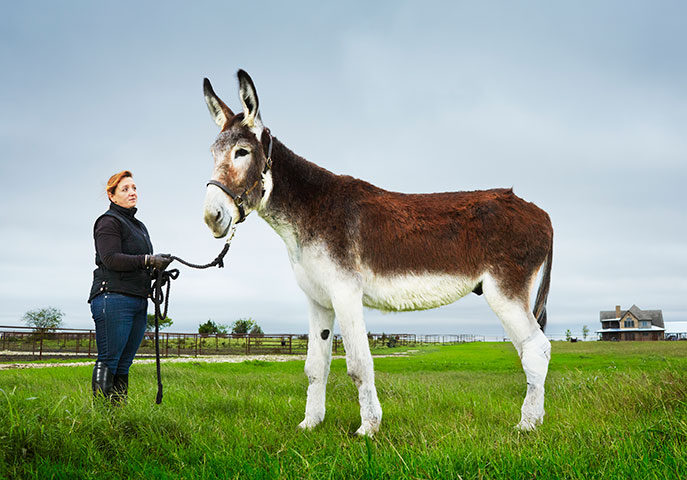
(30, 342)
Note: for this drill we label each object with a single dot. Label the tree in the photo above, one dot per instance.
(568, 335)
(164, 323)
(44, 318)
(246, 325)
(211, 327)
(256, 331)
(585, 331)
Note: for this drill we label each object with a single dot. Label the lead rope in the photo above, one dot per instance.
(165, 277)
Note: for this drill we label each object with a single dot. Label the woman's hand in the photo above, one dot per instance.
(160, 261)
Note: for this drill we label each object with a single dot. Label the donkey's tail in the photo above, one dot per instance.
(543, 292)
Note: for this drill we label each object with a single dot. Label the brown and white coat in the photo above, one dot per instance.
(352, 244)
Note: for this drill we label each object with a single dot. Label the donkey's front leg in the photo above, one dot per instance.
(349, 313)
(317, 363)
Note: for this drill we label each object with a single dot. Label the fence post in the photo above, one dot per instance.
(40, 353)
(247, 344)
(290, 344)
(196, 343)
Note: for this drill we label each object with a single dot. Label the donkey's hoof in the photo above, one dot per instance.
(308, 424)
(367, 430)
(528, 425)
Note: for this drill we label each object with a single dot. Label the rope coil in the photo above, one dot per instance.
(163, 278)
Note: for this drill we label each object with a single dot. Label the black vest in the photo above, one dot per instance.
(135, 241)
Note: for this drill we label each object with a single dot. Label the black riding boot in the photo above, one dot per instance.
(120, 388)
(102, 380)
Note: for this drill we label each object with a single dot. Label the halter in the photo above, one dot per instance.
(238, 199)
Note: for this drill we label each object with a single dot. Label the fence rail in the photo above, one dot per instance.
(31, 342)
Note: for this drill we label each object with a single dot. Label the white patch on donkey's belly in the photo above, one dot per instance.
(411, 291)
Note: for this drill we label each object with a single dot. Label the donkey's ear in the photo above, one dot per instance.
(218, 109)
(249, 99)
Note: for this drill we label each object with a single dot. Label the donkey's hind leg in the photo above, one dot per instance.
(532, 345)
(317, 363)
(535, 356)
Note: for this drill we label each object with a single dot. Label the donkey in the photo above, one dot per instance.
(352, 244)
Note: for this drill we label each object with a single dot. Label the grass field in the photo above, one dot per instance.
(614, 410)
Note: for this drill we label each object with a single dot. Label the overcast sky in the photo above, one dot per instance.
(580, 107)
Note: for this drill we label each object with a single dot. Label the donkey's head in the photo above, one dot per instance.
(241, 158)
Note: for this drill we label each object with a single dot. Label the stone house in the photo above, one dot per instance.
(634, 324)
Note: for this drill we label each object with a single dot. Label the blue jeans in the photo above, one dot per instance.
(120, 323)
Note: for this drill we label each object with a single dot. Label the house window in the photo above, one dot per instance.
(629, 323)
(644, 324)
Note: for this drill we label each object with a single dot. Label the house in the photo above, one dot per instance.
(633, 324)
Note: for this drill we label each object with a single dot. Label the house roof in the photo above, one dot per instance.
(653, 328)
(655, 316)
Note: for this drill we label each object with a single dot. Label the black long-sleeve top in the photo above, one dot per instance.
(121, 244)
(108, 243)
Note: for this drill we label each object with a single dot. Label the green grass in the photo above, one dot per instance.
(614, 410)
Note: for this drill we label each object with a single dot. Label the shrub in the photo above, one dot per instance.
(211, 327)
(246, 325)
(256, 331)
(164, 323)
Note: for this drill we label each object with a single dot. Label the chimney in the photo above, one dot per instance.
(617, 311)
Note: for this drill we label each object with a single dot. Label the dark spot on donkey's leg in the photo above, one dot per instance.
(478, 289)
(325, 334)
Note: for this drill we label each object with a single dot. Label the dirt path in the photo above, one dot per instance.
(205, 359)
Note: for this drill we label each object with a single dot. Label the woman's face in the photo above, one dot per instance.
(125, 194)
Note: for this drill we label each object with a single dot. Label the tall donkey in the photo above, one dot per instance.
(352, 244)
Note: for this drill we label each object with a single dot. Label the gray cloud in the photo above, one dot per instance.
(581, 108)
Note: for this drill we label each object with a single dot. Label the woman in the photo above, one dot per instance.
(121, 286)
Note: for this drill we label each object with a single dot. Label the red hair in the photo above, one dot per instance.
(115, 179)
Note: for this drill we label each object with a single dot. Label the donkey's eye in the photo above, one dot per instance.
(241, 152)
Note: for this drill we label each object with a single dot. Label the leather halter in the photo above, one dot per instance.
(238, 199)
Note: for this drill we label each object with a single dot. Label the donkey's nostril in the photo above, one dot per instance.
(217, 217)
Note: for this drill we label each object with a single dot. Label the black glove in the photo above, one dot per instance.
(160, 261)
